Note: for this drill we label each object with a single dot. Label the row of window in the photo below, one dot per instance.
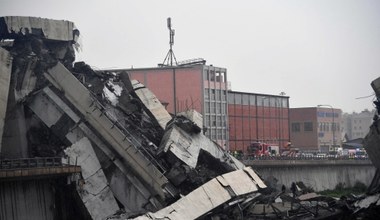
(215, 75)
(326, 126)
(308, 126)
(257, 100)
(215, 94)
(359, 134)
(215, 121)
(215, 108)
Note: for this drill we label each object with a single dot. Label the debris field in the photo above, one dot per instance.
(138, 161)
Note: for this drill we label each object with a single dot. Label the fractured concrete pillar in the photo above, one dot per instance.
(95, 192)
(5, 77)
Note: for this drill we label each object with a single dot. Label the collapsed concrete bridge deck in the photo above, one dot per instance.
(136, 160)
(132, 153)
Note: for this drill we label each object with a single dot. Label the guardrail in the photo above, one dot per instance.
(35, 168)
(300, 158)
(30, 162)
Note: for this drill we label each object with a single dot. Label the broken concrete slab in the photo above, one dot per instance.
(45, 28)
(207, 197)
(193, 116)
(40, 105)
(369, 200)
(187, 147)
(151, 103)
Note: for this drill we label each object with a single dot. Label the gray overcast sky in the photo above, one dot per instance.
(317, 52)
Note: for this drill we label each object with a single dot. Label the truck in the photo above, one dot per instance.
(258, 149)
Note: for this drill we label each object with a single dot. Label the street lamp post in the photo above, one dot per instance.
(333, 127)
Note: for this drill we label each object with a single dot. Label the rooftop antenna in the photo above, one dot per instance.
(168, 61)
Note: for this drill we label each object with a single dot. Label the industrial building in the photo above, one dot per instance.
(316, 129)
(192, 84)
(257, 118)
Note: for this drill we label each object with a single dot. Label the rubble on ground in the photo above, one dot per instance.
(137, 160)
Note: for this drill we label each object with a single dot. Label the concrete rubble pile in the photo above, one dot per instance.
(135, 157)
(137, 160)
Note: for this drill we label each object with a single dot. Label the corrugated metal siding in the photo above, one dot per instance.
(27, 200)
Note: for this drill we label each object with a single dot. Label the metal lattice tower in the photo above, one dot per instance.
(170, 57)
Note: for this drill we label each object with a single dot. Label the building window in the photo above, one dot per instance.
(218, 95)
(223, 109)
(296, 127)
(308, 126)
(207, 94)
(212, 108)
(231, 98)
(218, 108)
(207, 121)
(245, 99)
(207, 107)
(212, 94)
(284, 103)
(223, 95)
(220, 123)
(252, 100)
(272, 102)
(212, 75)
(265, 100)
(238, 99)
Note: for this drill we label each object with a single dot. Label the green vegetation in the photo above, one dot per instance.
(341, 190)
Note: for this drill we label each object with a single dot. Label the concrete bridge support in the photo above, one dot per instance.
(320, 175)
(26, 200)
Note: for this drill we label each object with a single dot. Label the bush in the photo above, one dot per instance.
(341, 190)
(339, 187)
(359, 187)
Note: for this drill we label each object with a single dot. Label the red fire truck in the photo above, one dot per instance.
(258, 149)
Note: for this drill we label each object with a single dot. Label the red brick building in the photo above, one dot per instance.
(315, 129)
(254, 117)
(257, 118)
